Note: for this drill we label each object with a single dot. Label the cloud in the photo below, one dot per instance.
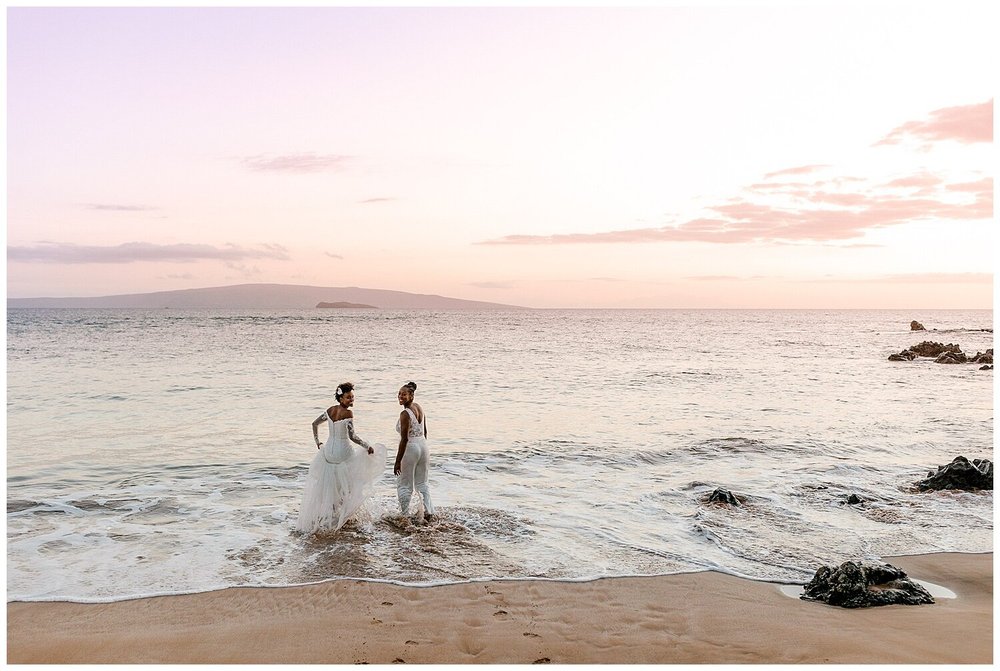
(791, 212)
(940, 278)
(800, 170)
(834, 208)
(334, 256)
(131, 252)
(919, 180)
(296, 163)
(376, 200)
(180, 276)
(915, 278)
(492, 285)
(967, 124)
(243, 270)
(982, 185)
(809, 216)
(118, 208)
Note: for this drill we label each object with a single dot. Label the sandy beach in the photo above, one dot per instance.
(692, 618)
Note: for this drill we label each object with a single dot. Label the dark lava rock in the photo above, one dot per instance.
(949, 353)
(721, 495)
(986, 368)
(864, 584)
(854, 499)
(960, 474)
(983, 357)
(917, 326)
(935, 349)
(952, 357)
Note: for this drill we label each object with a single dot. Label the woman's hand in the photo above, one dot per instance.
(396, 468)
(371, 450)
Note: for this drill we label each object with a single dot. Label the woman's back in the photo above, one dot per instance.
(416, 428)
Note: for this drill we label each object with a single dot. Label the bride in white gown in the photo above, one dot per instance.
(341, 475)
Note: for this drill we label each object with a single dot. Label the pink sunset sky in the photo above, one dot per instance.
(730, 157)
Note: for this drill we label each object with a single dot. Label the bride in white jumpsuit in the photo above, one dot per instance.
(412, 459)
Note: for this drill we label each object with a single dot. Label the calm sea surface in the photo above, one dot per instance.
(153, 452)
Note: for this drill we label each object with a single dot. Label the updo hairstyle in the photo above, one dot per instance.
(343, 388)
(412, 386)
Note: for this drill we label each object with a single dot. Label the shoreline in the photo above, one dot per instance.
(701, 617)
(429, 585)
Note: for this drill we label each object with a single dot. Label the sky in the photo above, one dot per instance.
(792, 156)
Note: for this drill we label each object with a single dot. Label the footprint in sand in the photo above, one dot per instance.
(399, 660)
(543, 660)
(499, 612)
(387, 603)
(411, 643)
(528, 633)
(375, 620)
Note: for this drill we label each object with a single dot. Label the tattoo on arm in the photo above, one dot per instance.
(353, 436)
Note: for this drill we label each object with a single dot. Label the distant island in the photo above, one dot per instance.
(344, 304)
(265, 297)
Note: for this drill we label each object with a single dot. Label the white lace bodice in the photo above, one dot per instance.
(340, 445)
(416, 428)
(338, 429)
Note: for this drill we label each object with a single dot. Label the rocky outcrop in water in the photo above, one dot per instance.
(864, 584)
(950, 353)
(930, 348)
(854, 500)
(960, 357)
(917, 326)
(724, 496)
(986, 368)
(983, 357)
(960, 474)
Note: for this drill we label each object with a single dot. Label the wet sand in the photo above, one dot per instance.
(693, 618)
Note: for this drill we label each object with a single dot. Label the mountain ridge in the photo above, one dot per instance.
(264, 296)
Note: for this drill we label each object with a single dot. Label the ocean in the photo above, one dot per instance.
(164, 451)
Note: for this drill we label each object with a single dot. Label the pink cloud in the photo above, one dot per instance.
(800, 170)
(984, 185)
(118, 208)
(914, 278)
(296, 163)
(131, 252)
(834, 208)
(941, 278)
(919, 180)
(745, 221)
(967, 124)
(492, 285)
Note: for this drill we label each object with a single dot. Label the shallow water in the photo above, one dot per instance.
(164, 451)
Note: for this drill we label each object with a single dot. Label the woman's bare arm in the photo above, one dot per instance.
(404, 432)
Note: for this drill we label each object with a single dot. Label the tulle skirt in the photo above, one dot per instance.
(335, 491)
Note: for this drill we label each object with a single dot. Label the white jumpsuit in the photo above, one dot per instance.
(413, 467)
